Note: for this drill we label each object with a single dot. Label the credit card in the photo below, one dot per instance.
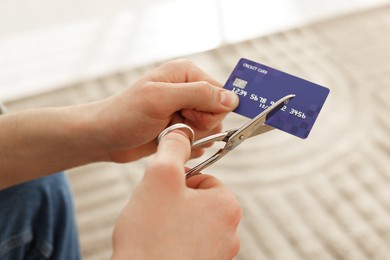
(258, 86)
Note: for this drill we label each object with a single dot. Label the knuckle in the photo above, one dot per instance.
(204, 122)
(163, 167)
(165, 172)
(150, 92)
(207, 91)
(149, 88)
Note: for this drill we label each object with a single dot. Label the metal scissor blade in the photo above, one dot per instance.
(254, 125)
(261, 130)
(236, 136)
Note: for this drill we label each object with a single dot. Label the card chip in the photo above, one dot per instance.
(240, 83)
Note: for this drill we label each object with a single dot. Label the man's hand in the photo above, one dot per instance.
(167, 218)
(120, 128)
(176, 92)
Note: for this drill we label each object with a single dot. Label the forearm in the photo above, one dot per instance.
(44, 141)
(121, 128)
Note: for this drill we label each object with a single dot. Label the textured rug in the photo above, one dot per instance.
(326, 197)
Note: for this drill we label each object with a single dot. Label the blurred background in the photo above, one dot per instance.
(325, 197)
(47, 44)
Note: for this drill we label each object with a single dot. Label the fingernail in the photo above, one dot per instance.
(228, 98)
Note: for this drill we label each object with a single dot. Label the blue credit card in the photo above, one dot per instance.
(258, 86)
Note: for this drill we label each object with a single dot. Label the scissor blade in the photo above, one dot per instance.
(255, 126)
(261, 130)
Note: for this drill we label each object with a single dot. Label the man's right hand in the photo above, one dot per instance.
(171, 218)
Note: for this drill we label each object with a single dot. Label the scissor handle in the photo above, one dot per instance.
(206, 163)
(223, 136)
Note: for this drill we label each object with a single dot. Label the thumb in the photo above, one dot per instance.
(166, 170)
(200, 96)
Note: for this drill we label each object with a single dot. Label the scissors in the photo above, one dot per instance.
(232, 138)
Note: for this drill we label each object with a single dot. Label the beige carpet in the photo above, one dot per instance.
(326, 197)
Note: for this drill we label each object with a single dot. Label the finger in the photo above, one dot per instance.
(197, 152)
(166, 170)
(199, 134)
(202, 120)
(176, 119)
(200, 96)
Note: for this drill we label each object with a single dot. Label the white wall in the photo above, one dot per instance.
(45, 44)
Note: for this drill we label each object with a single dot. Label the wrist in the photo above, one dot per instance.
(86, 125)
(39, 142)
